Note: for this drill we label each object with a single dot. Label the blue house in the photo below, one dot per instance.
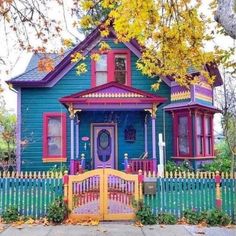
(110, 112)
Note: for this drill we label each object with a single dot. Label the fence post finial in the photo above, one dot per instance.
(218, 190)
(65, 182)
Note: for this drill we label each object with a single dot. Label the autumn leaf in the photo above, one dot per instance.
(46, 65)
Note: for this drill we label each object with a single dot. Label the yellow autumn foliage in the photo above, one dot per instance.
(172, 35)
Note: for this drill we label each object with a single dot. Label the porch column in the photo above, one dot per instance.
(154, 154)
(72, 143)
(77, 138)
(145, 135)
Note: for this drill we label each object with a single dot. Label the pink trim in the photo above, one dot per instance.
(78, 97)
(111, 66)
(46, 116)
(194, 158)
(204, 116)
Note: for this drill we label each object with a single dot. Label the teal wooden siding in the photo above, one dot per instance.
(36, 101)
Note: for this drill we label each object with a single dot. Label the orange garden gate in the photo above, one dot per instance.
(104, 194)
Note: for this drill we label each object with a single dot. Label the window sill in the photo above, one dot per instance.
(193, 158)
(54, 159)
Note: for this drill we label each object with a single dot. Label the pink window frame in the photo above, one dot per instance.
(201, 115)
(176, 149)
(111, 66)
(46, 117)
(204, 115)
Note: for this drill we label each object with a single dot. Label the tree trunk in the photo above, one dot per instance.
(226, 16)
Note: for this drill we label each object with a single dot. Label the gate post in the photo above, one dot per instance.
(140, 182)
(65, 184)
(218, 190)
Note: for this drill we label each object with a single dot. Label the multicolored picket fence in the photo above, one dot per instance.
(177, 193)
(31, 193)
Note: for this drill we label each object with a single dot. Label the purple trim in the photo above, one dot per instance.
(188, 105)
(154, 154)
(72, 167)
(145, 135)
(121, 107)
(77, 139)
(72, 144)
(65, 65)
(205, 91)
(166, 80)
(192, 89)
(18, 132)
(178, 89)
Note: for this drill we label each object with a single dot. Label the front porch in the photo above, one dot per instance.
(113, 126)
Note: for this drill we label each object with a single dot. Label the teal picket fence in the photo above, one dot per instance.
(31, 196)
(228, 193)
(174, 195)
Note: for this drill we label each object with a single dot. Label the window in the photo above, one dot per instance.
(120, 68)
(112, 66)
(54, 137)
(101, 70)
(182, 135)
(204, 145)
(208, 135)
(200, 135)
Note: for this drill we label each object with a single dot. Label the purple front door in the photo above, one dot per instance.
(104, 145)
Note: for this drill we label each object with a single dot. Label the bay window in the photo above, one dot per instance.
(199, 135)
(54, 137)
(208, 136)
(112, 66)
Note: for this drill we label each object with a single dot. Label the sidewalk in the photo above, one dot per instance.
(116, 229)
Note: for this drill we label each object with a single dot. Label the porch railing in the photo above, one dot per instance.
(145, 165)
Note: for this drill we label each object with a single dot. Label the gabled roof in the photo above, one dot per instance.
(33, 78)
(112, 93)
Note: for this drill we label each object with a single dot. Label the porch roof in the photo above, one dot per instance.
(112, 95)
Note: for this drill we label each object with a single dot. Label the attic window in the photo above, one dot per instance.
(54, 137)
(112, 66)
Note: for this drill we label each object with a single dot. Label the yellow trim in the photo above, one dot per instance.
(180, 95)
(103, 174)
(203, 97)
(53, 159)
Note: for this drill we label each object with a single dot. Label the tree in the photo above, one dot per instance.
(226, 16)
(227, 102)
(7, 133)
(172, 33)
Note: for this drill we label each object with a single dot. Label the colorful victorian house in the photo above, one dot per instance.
(109, 113)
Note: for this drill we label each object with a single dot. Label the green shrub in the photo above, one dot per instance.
(194, 217)
(217, 217)
(171, 166)
(57, 211)
(166, 218)
(222, 162)
(144, 214)
(59, 168)
(11, 215)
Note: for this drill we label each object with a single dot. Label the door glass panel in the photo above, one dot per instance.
(104, 145)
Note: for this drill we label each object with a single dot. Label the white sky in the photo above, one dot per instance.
(18, 60)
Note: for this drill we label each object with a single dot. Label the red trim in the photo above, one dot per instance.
(111, 66)
(46, 117)
(189, 133)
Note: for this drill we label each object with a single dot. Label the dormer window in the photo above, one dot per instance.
(112, 66)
